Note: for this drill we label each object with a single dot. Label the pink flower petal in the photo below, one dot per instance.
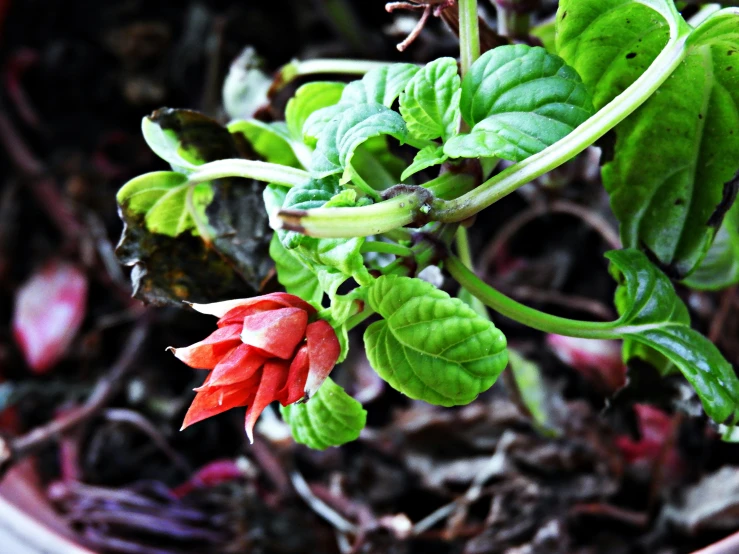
(210, 475)
(49, 309)
(215, 400)
(237, 366)
(323, 351)
(257, 304)
(277, 332)
(208, 352)
(294, 388)
(274, 376)
(599, 361)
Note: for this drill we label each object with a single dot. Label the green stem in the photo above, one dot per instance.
(352, 222)
(465, 256)
(469, 34)
(386, 248)
(463, 247)
(356, 319)
(586, 134)
(450, 185)
(363, 185)
(512, 22)
(523, 314)
(249, 169)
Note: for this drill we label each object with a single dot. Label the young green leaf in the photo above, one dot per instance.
(270, 140)
(426, 157)
(331, 260)
(429, 346)
(308, 99)
(430, 102)
(380, 86)
(673, 156)
(162, 197)
(720, 268)
(186, 138)
(330, 418)
(317, 121)
(349, 129)
(293, 274)
(518, 101)
(313, 194)
(653, 315)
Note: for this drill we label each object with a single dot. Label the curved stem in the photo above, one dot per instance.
(578, 140)
(523, 314)
(351, 222)
(469, 34)
(386, 248)
(249, 169)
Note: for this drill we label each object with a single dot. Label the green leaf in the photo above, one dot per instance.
(518, 100)
(313, 194)
(161, 197)
(429, 346)
(293, 274)
(317, 121)
(332, 261)
(653, 315)
(610, 43)
(426, 157)
(533, 391)
(308, 99)
(380, 86)
(186, 138)
(546, 32)
(430, 102)
(349, 129)
(330, 418)
(720, 268)
(675, 154)
(270, 140)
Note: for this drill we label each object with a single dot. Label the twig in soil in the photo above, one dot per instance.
(496, 466)
(41, 184)
(122, 415)
(12, 450)
(629, 517)
(319, 506)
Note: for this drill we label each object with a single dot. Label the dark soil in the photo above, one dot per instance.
(78, 76)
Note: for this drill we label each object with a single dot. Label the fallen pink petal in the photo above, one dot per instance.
(49, 310)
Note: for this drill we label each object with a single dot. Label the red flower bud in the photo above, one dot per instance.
(264, 350)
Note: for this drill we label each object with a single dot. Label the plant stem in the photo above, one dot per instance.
(513, 20)
(463, 248)
(356, 319)
(563, 150)
(249, 169)
(465, 256)
(469, 34)
(386, 248)
(352, 222)
(523, 314)
(450, 185)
